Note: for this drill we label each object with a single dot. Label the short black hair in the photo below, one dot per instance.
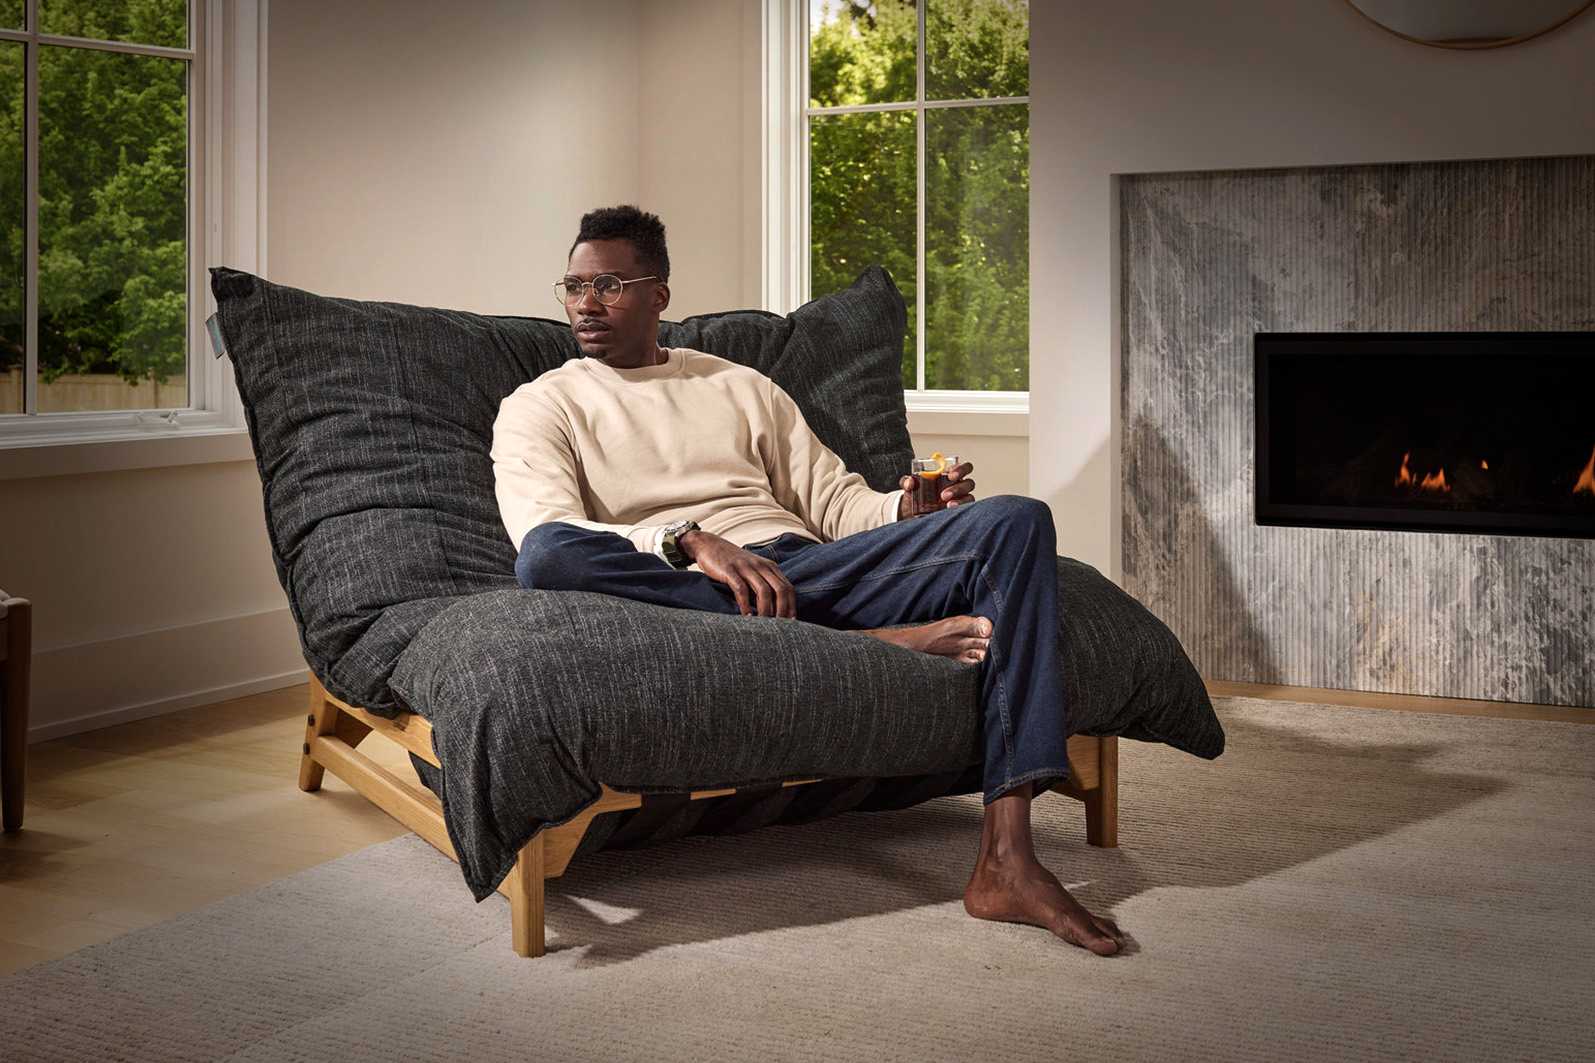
(645, 231)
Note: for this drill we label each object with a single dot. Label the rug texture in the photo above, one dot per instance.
(1342, 884)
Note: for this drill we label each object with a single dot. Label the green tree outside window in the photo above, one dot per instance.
(867, 116)
(112, 196)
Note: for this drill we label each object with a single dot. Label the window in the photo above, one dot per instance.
(916, 147)
(110, 125)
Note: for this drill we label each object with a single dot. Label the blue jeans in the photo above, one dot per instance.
(994, 558)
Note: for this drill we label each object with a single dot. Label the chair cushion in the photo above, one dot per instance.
(663, 701)
(372, 424)
(658, 701)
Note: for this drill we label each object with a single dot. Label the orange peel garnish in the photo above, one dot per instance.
(941, 466)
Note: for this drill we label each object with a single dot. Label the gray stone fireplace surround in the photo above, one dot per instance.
(1207, 260)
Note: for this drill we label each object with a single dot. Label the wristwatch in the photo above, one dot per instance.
(670, 543)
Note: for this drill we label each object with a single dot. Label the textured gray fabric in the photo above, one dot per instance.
(655, 700)
(371, 424)
(649, 700)
(1124, 672)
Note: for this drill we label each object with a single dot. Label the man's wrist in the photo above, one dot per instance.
(689, 541)
(670, 543)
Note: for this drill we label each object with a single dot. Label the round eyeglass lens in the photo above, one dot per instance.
(607, 287)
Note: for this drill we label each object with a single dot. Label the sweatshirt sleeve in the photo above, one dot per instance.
(537, 475)
(811, 481)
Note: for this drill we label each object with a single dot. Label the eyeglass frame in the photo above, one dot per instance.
(562, 288)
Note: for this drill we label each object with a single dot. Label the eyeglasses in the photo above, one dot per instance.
(606, 288)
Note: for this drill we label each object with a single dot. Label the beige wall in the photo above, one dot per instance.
(441, 154)
(1143, 85)
(152, 588)
(699, 147)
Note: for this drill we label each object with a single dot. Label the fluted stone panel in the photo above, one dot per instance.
(1208, 260)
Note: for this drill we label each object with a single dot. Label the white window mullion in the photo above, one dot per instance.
(30, 215)
(919, 198)
(785, 163)
(198, 195)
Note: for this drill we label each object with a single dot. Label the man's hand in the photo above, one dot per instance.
(960, 489)
(758, 583)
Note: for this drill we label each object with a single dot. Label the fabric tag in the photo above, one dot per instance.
(217, 345)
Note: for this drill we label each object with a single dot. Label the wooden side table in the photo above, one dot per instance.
(16, 654)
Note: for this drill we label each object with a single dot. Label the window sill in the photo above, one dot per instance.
(189, 447)
(972, 413)
(1000, 402)
(967, 423)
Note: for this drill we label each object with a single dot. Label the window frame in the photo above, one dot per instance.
(786, 178)
(226, 167)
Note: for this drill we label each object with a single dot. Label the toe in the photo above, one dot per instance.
(1091, 936)
(1107, 928)
(1102, 945)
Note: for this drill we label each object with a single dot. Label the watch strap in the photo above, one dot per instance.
(670, 543)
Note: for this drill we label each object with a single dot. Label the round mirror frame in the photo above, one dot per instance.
(1475, 45)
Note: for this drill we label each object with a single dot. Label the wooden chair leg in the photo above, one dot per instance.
(16, 655)
(526, 900)
(1102, 802)
(323, 720)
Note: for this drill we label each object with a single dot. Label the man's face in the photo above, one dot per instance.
(626, 334)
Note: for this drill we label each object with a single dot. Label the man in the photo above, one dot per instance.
(677, 478)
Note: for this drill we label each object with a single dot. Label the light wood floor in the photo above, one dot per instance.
(133, 824)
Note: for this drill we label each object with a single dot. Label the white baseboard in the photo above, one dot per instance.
(127, 713)
(100, 682)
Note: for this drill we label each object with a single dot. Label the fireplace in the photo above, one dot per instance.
(1207, 261)
(1490, 432)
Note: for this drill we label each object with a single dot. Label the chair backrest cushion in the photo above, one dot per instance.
(372, 424)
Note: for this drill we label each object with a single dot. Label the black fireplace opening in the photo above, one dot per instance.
(1442, 431)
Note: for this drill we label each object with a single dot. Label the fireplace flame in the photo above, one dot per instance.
(1404, 477)
(1586, 479)
(1432, 481)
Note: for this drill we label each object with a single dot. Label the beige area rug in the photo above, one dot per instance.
(1343, 884)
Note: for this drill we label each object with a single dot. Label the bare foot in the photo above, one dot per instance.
(1010, 885)
(1033, 895)
(963, 638)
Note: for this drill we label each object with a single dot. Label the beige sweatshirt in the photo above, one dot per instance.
(695, 438)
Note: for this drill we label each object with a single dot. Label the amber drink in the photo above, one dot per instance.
(930, 480)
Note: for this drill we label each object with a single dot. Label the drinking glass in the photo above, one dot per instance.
(930, 480)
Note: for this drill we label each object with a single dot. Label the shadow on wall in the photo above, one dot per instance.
(1172, 555)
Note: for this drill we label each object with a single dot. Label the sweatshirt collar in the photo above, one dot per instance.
(672, 365)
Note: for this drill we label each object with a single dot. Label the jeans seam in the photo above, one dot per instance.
(896, 570)
(996, 673)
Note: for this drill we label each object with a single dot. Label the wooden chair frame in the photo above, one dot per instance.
(334, 729)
